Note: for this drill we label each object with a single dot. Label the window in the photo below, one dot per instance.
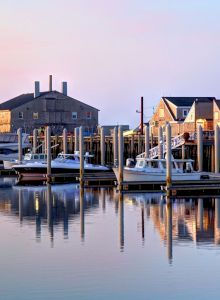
(216, 115)
(88, 115)
(74, 115)
(161, 113)
(35, 115)
(185, 112)
(20, 115)
(156, 123)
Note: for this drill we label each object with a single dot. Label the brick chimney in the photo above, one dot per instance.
(50, 83)
(36, 89)
(64, 88)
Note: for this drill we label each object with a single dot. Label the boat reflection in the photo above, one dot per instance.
(55, 207)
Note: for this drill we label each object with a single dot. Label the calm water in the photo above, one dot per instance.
(57, 243)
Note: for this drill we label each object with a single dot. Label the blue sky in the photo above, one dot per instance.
(112, 52)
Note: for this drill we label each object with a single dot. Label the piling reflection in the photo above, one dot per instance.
(169, 232)
(50, 212)
(62, 209)
(82, 214)
(121, 220)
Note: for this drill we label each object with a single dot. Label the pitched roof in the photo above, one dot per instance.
(217, 103)
(25, 98)
(187, 101)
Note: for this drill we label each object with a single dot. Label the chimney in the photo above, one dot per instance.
(50, 83)
(64, 88)
(37, 89)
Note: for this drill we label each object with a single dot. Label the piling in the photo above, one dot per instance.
(120, 157)
(200, 148)
(115, 140)
(217, 148)
(139, 143)
(160, 145)
(81, 153)
(146, 141)
(35, 140)
(168, 157)
(65, 151)
(76, 137)
(183, 152)
(102, 145)
(19, 133)
(48, 131)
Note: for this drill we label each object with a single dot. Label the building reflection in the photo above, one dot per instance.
(59, 207)
(51, 205)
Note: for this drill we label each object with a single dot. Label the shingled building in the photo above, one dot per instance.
(50, 108)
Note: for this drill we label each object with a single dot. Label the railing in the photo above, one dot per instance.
(176, 142)
(207, 135)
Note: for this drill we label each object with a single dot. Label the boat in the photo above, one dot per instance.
(9, 145)
(28, 157)
(63, 164)
(154, 170)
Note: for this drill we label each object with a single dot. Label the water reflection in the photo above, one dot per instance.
(182, 221)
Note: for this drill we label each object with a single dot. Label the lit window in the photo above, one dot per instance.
(20, 115)
(161, 113)
(88, 115)
(185, 112)
(35, 115)
(74, 115)
(216, 115)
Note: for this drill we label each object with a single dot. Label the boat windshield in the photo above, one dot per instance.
(172, 164)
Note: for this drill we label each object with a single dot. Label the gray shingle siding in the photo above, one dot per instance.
(53, 108)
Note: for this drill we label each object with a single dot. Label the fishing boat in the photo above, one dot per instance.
(28, 158)
(63, 164)
(154, 170)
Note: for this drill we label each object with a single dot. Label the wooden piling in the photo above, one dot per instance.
(200, 148)
(102, 145)
(160, 144)
(81, 153)
(65, 151)
(19, 133)
(217, 148)
(48, 131)
(120, 157)
(115, 141)
(34, 140)
(76, 137)
(146, 141)
(168, 157)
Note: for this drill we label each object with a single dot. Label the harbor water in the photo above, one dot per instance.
(58, 242)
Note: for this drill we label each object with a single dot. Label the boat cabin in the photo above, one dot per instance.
(181, 165)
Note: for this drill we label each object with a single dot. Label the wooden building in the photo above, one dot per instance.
(183, 113)
(52, 108)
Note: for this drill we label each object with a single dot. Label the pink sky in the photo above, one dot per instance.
(111, 52)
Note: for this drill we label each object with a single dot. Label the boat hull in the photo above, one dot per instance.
(140, 176)
(38, 173)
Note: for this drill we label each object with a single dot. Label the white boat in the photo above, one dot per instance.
(154, 170)
(9, 145)
(63, 164)
(28, 157)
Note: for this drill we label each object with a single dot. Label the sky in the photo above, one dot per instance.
(111, 52)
